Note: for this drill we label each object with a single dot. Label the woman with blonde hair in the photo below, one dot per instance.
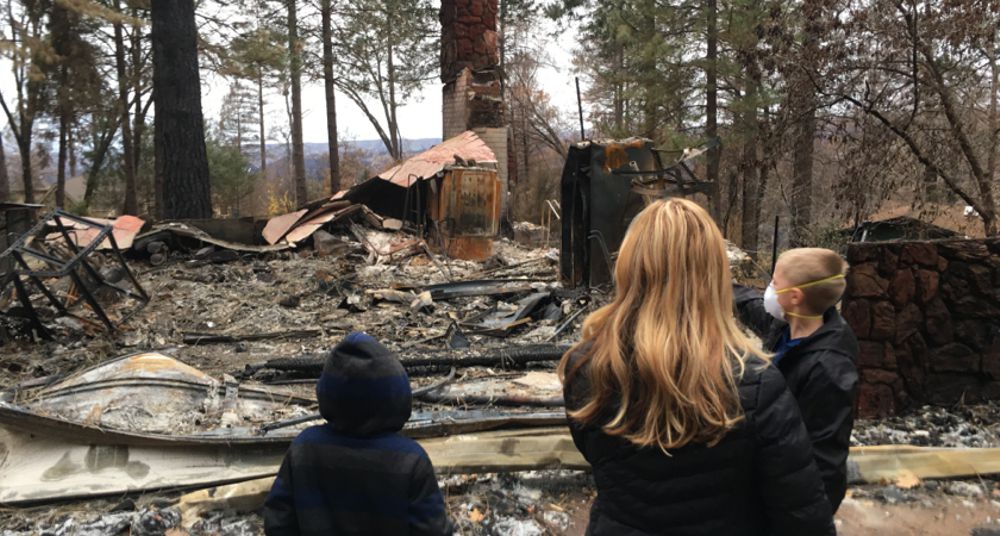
(687, 427)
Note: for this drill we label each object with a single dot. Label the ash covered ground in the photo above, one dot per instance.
(314, 300)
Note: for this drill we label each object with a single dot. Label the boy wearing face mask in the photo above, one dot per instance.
(814, 349)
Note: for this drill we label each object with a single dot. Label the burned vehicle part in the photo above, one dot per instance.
(603, 186)
(56, 263)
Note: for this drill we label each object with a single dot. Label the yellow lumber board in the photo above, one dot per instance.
(887, 465)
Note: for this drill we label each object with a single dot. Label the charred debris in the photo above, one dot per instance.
(180, 355)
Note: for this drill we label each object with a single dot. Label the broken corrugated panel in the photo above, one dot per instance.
(48, 460)
(278, 226)
(307, 227)
(467, 146)
(124, 229)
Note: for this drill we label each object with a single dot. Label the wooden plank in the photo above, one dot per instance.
(891, 462)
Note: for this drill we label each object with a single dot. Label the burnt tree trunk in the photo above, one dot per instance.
(714, 155)
(804, 108)
(326, 12)
(179, 127)
(24, 147)
(4, 176)
(260, 113)
(128, 164)
(750, 171)
(97, 164)
(61, 159)
(397, 139)
(71, 141)
(295, 72)
(141, 108)
(61, 30)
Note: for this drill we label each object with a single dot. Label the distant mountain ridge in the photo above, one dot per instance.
(276, 153)
(373, 147)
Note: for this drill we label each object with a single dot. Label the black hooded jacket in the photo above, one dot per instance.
(822, 376)
(356, 474)
(759, 480)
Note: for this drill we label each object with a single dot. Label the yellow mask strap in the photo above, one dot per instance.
(811, 283)
(805, 317)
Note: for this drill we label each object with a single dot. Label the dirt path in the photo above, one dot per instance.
(940, 516)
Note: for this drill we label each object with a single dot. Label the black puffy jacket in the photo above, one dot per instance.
(822, 376)
(760, 479)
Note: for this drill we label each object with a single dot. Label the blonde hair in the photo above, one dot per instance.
(662, 354)
(805, 265)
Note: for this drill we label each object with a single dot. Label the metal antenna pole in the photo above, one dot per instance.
(774, 245)
(579, 107)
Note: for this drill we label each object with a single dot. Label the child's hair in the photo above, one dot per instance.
(806, 265)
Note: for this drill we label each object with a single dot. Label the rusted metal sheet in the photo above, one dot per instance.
(124, 229)
(467, 146)
(466, 212)
(310, 225)
(278, 226)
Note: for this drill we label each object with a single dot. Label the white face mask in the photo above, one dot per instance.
(771, 304)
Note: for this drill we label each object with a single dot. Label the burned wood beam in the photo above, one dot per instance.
(415, 359)
(317, 416)
(195, 338)
(486, 400)
(486, 287)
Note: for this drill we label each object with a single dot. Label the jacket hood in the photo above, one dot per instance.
(364, 389)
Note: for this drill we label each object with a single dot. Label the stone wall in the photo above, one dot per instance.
(927, 316)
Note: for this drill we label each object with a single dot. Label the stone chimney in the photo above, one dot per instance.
(470, 71)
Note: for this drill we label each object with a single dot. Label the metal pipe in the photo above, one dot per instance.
(774, 245)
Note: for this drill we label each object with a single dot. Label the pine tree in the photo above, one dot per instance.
(181, 161)
(239, 118)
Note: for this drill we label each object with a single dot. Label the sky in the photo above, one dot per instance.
(419, 119)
